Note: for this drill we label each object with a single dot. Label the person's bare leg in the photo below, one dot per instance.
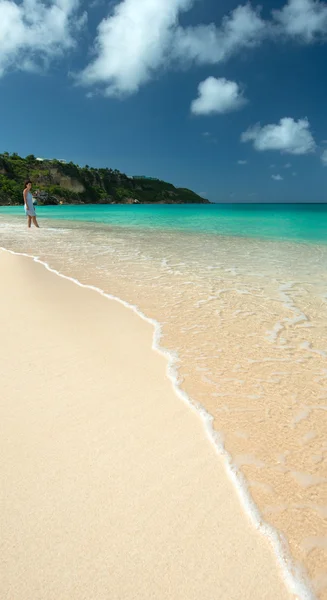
(35, 222)
(29, 221)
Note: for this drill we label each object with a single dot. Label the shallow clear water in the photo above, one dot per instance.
(241, 294)
(274, 221)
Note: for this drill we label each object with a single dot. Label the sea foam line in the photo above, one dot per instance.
(294, 576)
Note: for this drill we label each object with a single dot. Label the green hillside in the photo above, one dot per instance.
(57, 182)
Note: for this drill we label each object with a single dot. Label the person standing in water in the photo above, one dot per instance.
(28, 204)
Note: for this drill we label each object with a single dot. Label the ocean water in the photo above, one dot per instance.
(269, 221)
(240, 293)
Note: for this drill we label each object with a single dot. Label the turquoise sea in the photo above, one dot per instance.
(240, 293)
(307, 222)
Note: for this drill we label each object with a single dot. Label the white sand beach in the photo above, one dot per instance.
(110, 487)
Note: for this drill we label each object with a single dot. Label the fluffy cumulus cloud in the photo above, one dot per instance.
(32, 32)
(277, 177)
(324, 158)
(210, 44)
(217, 96)
(305, 20)
(140, 37)
(132, 43)
(290, 136)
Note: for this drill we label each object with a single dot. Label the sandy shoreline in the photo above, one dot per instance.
(110, 488)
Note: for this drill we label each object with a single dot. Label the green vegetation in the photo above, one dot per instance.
(57, 182)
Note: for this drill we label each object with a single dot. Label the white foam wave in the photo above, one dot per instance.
(294, 576)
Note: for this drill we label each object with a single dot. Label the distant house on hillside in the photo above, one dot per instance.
(144, 177)
(61, 160)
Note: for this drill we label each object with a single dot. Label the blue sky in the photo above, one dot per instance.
(222, 98)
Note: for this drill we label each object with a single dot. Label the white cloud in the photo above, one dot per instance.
(305, 20)
(32, 33)
(244, 28)
(209, 44)
(287, 166)
(132, 43)
(277, 177)
(324, 158)
(242, 162)
(138, 38)
(290, 136)
(217, 96)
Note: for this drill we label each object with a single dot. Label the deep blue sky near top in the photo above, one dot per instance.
(153, 130)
